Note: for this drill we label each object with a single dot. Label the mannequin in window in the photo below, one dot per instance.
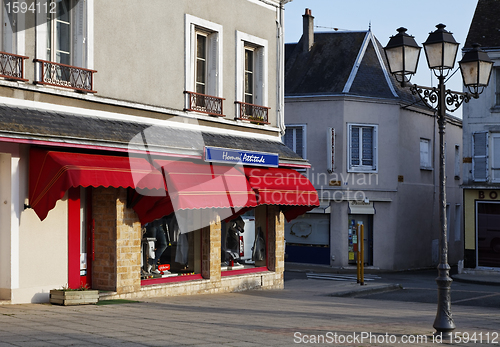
(159, 230)
(231, 240)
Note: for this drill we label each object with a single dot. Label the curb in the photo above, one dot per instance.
(367, 290)
(459, 278)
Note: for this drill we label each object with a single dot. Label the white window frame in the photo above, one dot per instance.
(82, 40)
(194, 25)
(260, 48)
(362, 168)
(426, 164)
(295, 128)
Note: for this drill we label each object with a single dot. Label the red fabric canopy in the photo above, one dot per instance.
(285, 187)
(204, 185)
(53, 173)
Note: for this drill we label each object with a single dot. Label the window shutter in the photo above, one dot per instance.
(80, 34)
(213, 62)
(259, 80)
(480, 157)
(375, 145)
(330, 150)
(495, 165)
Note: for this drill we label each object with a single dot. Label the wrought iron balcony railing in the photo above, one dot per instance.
(66, 76)
(208, 104)
(253, 113)
(12, 66)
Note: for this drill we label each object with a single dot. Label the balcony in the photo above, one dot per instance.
(253, 113)
(208, 104)
(66, 76)
(12, 66)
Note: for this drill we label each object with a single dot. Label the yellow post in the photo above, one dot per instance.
(361, 247)
(358, 268)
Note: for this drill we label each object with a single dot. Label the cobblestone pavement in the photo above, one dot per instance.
(304, 312)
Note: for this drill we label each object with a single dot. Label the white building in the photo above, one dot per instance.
(374, 157)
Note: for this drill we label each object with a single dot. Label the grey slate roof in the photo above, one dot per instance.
(325, 69)
(485, 25)
(36, 124)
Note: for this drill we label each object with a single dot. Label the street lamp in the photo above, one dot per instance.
(440, 49)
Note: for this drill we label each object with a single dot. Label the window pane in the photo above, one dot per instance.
(63, 37)
(200, 71)
(248, 83)
(201, 49)
(248, 60)
(63, 7)
(288, 138)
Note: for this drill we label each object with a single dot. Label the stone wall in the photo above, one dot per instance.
(116, 267)
(117, 242)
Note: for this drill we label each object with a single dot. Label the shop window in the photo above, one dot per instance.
(295, 139)
(362, 155)
(243, 243)
(168, 252)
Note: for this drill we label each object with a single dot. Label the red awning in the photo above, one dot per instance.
(53, 173)
(195, 186)
(285, 187)
(204, 185)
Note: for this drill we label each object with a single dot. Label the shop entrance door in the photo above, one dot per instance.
(488, 234)
(80, 238)
(355, 222)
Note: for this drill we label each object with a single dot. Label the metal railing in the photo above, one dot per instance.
(211, 105)
(67, 76)
(253, 113)
(12, 66)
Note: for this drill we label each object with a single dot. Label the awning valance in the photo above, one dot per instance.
(52, 173)
(165, 186)
(285, 187)
(193, 185)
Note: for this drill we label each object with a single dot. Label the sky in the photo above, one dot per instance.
(385, 16)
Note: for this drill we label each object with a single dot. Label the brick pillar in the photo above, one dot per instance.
(128, 246)
(211, 251)
(276, 240)
(117, 242)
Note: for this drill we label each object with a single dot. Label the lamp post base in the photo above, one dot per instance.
(444, 322)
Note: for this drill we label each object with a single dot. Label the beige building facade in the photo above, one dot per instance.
(140, 148)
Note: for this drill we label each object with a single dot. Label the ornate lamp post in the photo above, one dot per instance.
(440, 49)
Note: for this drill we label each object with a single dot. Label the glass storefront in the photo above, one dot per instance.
(168, 252)
(243, 243)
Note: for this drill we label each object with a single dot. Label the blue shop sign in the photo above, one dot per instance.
(227, 155)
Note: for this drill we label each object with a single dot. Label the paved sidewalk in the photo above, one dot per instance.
(305, 311)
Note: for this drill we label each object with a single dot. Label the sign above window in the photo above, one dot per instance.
(228, 155)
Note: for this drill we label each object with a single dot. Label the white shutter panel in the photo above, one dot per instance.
(80, 34)
(259, 77)
(330, 150)
(480, 156)
(213, 57)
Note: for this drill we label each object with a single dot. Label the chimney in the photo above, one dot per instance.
(308, 30)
